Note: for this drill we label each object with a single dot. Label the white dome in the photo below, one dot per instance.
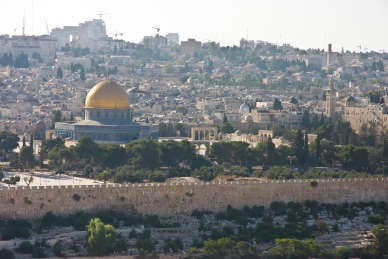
(244, 107)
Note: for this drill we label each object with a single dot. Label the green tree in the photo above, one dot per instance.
(87, 149)
(167, 68)
(57, 118)
(354, 158)
(143, 154)
(225, 119)
(270, 152)
(181, 128)
(385, 150)
(294, 100)
(209, 66)
(58, 250)
(13, 180)
(277, 105)
(82, 74)
(100, 236)
(295, 249)
(381, 236)
(306, 120)
(112, 155)
(26, 157)
(227, 128)
(6, 254)
(318, 148)
(59, 73)
(298, 145)
(8, 141)
(342, 252)
(182, 109)
(321, 226)
(306, 147)
(218, 248)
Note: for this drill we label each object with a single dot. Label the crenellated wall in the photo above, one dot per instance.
(173, 199)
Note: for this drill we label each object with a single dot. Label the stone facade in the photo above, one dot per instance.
(168, 199)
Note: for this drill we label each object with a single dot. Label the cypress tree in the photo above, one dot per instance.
(59, 73)
(82, 74)
(306, 147)
(299, 146)
(270, 151)
(385, 150)
(72, 67)
(24, 141)
(318, 150)
(32, 140)
(322, 120)
(225, 120)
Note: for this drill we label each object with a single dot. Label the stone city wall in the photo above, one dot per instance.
(172, 199)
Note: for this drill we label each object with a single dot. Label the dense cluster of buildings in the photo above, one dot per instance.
(30, 96)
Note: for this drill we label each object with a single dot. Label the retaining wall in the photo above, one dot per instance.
(172, 199)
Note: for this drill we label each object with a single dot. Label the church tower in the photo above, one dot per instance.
(331, 100)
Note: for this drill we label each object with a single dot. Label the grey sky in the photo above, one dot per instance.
(303, 24)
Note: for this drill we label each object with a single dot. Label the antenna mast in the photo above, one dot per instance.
(24, 16)
(32, 18)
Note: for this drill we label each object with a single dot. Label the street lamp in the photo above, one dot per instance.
(290, 160)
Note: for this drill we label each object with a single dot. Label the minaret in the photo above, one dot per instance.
(328, 61)
(331, 100)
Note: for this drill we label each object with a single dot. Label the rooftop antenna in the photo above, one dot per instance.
(24, 16)
(14, 31)
(32, 18)
(48, 33)
(247, 34)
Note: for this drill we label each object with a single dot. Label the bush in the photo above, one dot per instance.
(376, 219)
(6, 254)
(57, 249)
(25, 247)
(314, 183)
(13, 232)
(76, 197)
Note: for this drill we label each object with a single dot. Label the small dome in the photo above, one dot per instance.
(107, 95)
(249, 118)
(244, 107)
(239, 132)
(350, 99)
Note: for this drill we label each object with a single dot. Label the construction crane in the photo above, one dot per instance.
(208, 40)
(157, 29)
(116, 34)
(362, 46)
(366, 49)
(101, 14)
(383, 50)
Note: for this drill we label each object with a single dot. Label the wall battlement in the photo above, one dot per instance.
(183, 198)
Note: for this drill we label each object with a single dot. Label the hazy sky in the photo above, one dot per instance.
(303, 24)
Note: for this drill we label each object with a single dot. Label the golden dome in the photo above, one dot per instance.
(107, 95)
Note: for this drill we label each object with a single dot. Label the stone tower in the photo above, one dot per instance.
(331, 100)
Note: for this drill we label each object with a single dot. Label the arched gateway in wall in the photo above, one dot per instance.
(203, 133)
